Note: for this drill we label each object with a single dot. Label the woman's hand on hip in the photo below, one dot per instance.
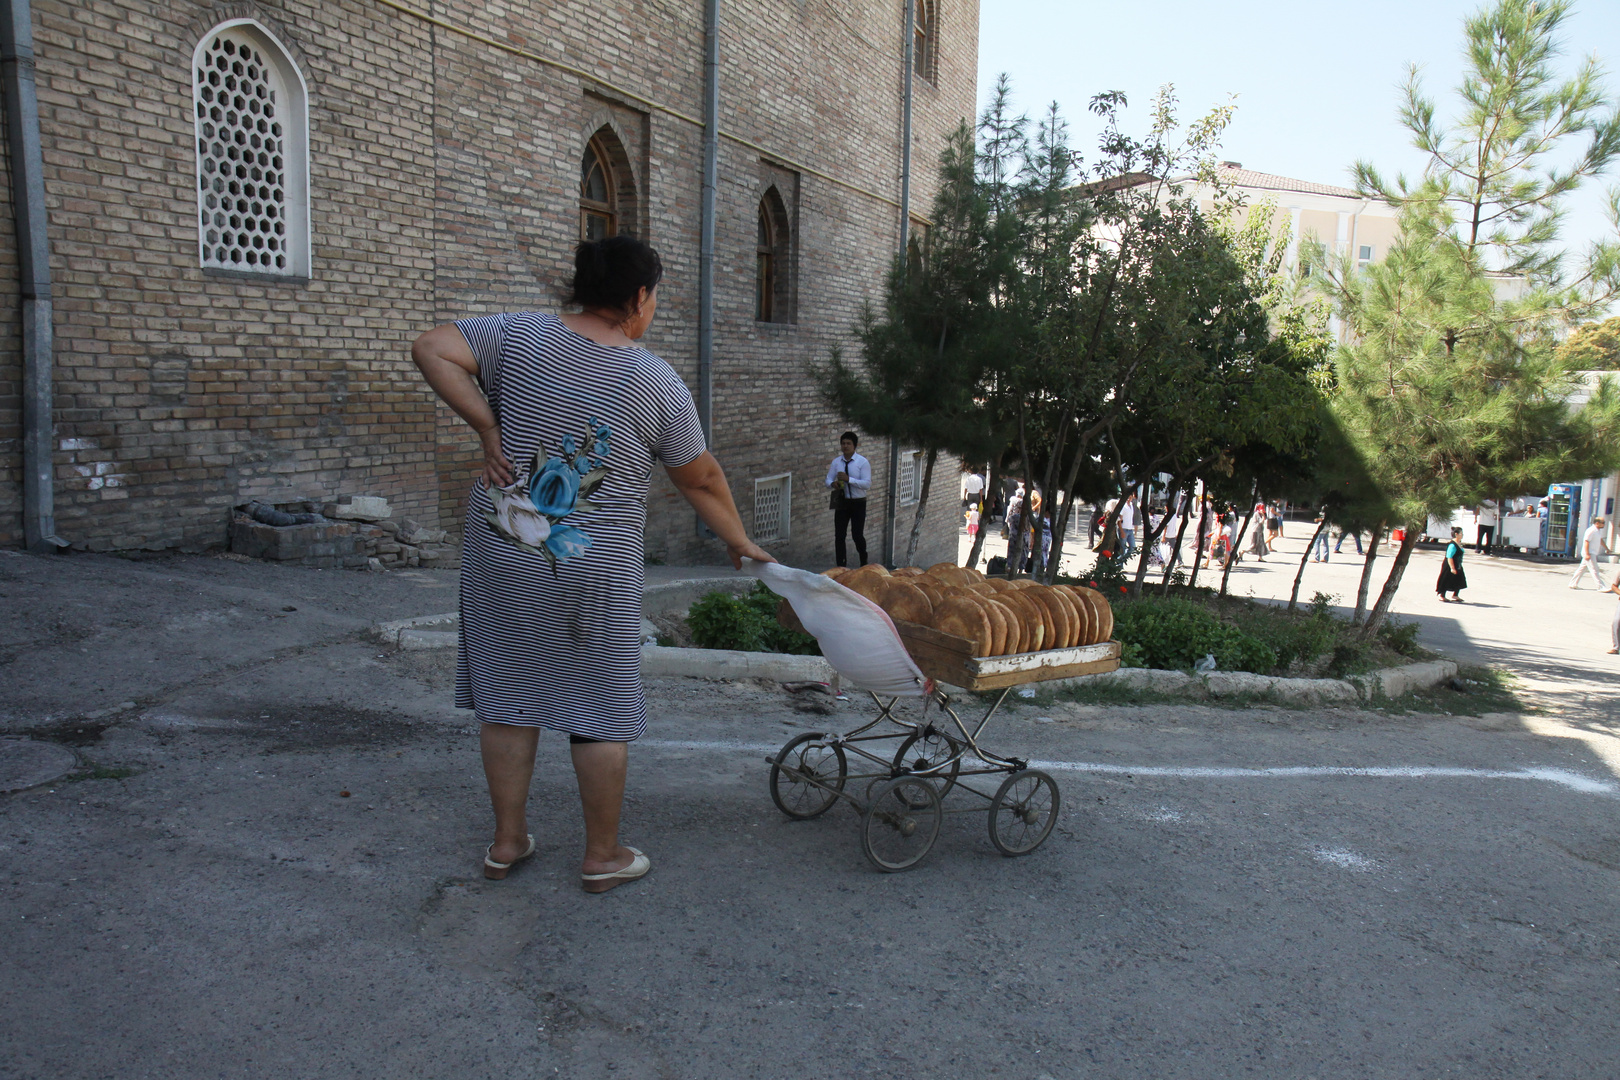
(497, 470)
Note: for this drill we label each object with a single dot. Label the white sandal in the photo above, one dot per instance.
(601, 883)
(495, 871)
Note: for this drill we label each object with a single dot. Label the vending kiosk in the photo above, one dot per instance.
(1561, 528)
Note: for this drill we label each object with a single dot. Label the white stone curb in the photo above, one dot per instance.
(731, 664)
(1388, 683)
(423, 632)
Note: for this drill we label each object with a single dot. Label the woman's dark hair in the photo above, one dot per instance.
(610, 273)
(851, 436)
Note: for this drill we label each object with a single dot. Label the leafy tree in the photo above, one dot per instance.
(1452, 388)
(922, 350)
(1594, 346)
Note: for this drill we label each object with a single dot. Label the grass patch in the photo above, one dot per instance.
(747, 623)
(1474, 692)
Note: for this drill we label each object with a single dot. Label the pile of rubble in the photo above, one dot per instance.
(356, 532)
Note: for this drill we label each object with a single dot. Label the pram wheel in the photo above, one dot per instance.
(1023, 812)
(901, 824)
(810, 758)
(925, 749)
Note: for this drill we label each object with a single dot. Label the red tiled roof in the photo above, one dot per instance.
(1250, 179)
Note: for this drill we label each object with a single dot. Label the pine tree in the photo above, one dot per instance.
(1449, 384)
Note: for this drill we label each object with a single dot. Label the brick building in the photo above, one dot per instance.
(254, 207)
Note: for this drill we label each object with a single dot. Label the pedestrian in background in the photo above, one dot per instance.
(1485, 536)
(1319, 547)
(1274, 526)
(1452, 579)
(972, 489)
(1614, 627)
(1592, 546)
(849, 478)
(1352, 533)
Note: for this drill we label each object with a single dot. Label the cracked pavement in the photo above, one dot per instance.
(225, 910)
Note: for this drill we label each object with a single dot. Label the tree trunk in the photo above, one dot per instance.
(1175, 552)
(1150, 537)
(1375, 618)
(1060, 529)
(984, 525)
(922, 508)
(1293, 597)
(1198, 555)
(1366, 574)
(1237, 544)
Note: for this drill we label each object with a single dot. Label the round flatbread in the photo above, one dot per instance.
(1077, 612)
(982, 589)
(866, 583)
(877, 568)
(1103, 629)
(929, 588)
(1082, 611)
(905, 602)
(1031, 620)
(972, 572)
(949, 573)
(964, 618)
(1062, 625)
(1022, 583)
(835, 572)
(1015, 627)
(1000, 623)
(998, 584)
(907, 571)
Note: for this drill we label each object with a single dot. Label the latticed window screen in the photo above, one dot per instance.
(909, 487)
(773, 507)
(243, 157)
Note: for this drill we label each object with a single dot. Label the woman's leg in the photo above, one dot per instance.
(600, 768)
(508, 767)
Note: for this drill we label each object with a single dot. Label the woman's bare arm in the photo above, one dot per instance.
(448, 365)
(703, 484)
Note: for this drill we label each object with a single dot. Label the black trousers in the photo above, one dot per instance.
(1485, 539)
(851, 514)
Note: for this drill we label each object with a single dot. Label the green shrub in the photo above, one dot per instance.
(747, 623)
(1400, 636)
(1177, 633)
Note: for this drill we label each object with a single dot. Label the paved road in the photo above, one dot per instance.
(1228, 893)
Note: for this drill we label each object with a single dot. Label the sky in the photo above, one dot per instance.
(1317, 84)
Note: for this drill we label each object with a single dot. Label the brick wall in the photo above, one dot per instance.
(444, 178)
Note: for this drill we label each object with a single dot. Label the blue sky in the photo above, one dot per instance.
(1317, 83)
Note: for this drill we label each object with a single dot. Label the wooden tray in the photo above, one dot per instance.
(949, 659)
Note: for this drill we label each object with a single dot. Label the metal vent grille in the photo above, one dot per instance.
(773, 507)
(241, 157)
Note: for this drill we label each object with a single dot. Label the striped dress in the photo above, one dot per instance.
(551, 630)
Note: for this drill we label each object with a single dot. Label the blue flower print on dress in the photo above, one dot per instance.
(565, 542)
(529, 512)
(555, 488)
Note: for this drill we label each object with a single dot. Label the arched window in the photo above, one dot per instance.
(772, 298)
(252, 153)
(598, 193)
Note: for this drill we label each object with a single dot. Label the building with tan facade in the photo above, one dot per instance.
(252, 208)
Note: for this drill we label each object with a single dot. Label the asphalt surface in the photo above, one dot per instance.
(1260, 892)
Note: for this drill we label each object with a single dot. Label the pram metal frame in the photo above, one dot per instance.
(893, 804)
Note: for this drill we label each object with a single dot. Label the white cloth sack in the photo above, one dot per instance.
(857, 637)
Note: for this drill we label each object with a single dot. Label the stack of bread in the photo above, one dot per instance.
(1001, 617)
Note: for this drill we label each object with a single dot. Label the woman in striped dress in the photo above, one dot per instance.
(572, 415)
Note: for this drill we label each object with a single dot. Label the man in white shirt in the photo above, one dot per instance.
(1127, 523)
(850, 477)
(1591, 547)
(972, 489)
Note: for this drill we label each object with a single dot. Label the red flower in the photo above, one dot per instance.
(1122, 588)
(1093, 584)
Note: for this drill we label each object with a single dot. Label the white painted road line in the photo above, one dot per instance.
(1573, 781)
